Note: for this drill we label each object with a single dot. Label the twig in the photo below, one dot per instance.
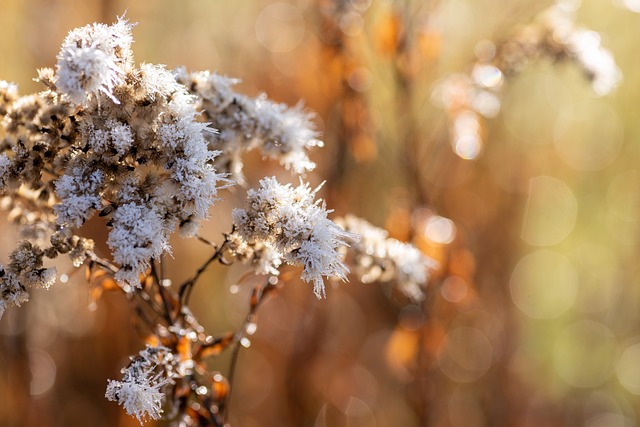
(185, 289)
(257, 298)
(162, 292)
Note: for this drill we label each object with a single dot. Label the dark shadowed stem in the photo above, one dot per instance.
(136, 299)
(162, 269)
(143, 316)
(230, 377)
(162, 291)
(185, 289)
(206, 241)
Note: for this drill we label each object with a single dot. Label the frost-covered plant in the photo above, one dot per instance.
(293, 225)
(378, 258)
(244, 124)
(148, 150)
(139, 391)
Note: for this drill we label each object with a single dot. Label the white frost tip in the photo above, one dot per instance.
(93, 59)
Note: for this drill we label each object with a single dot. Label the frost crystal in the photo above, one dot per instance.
(139, 391)
(288, 220)
(139, 398)
(597, 62)
(5, 163)
(94, 59)
(12, 292)
(111, 138)
(25, 270)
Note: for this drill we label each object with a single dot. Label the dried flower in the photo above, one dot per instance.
(289, 221)
(12, 292)
(469, 98)
(380, 258)
(138, 235)
(94, 59)
(139, 391)
(243, 124)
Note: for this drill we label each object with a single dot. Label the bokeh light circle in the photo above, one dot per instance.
(43, 371)
(628, 369)
(454, 289)
(544, 284)
(551, 212)
(280, 27)
(466, 354)
(584, 354)
(440, 230)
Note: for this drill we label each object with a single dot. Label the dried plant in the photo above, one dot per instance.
(149, 150)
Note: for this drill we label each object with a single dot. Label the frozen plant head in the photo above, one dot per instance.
(147, 149)
(139, 391)
(12, 292)
(94, 59)
(243, 124)
(141, 399)
(289, 221)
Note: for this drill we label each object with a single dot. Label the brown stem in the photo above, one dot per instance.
(186, 288)
(162, 291)
(258, 296)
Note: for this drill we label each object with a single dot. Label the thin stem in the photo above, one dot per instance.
(162, 292)
(257, 298)
(142, 296)
(206, 241)
(102, 262)
(230, 377)
(185, 289)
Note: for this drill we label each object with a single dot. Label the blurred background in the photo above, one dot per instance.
(533, 318)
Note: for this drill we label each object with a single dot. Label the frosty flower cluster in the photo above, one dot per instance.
(93, 59)
(243, 124)
(142, 151)
(111, 138)
(25, 270)
(378, 258)
(285, 223)
(469, 98)
(139, 392)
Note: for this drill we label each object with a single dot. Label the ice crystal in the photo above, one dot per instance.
(79, 192)
(12, 292)
(138, 235)
(140, 397)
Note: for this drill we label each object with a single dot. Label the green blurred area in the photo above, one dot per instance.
(534, 318)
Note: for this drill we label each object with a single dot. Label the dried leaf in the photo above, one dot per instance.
(219, 387)
(217, 346)
(184, 348)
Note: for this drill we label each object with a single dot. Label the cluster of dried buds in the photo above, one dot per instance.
(148, 150)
